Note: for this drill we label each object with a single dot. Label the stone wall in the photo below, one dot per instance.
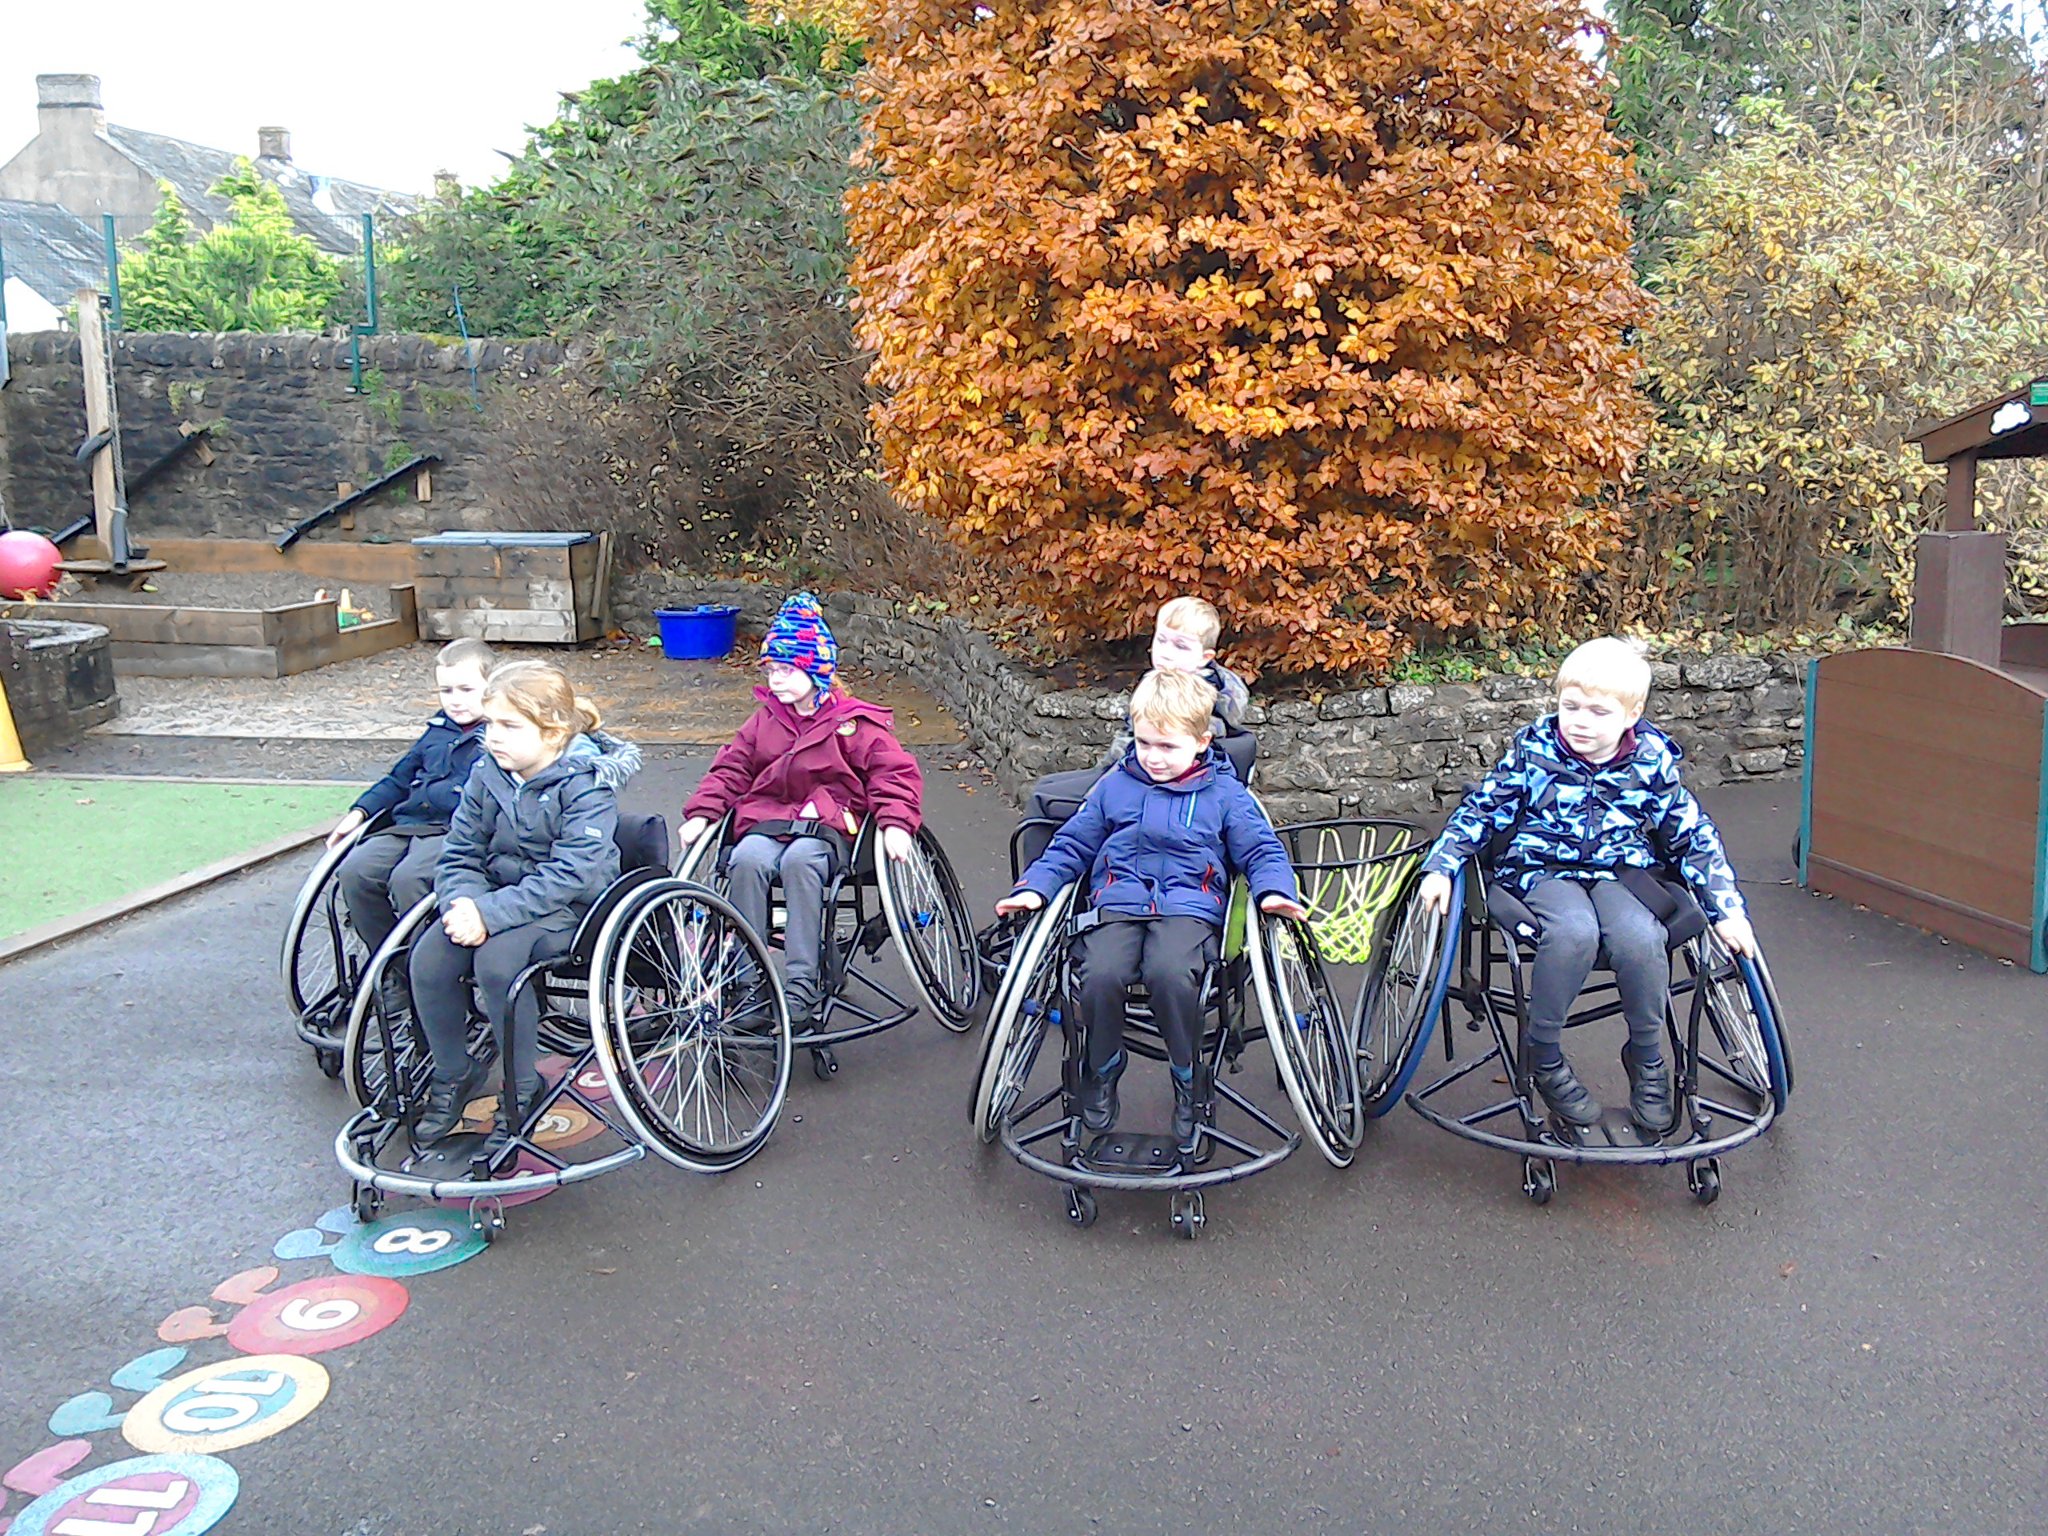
(1408, 748)
(60, 681)
(285, 429)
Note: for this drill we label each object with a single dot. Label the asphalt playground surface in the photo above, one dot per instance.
(879, 1325)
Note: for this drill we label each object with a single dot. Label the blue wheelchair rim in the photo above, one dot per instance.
(1397, 1086)
(1763, 997)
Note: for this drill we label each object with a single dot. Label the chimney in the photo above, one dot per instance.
(69, 101)
(274, 144)
(447, 188)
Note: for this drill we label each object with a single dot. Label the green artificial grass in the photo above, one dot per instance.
(67, 845)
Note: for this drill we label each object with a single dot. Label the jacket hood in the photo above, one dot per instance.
(838, 704)
(1653, 748)
(1216, 764)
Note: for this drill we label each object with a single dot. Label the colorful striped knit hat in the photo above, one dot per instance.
(798, 637)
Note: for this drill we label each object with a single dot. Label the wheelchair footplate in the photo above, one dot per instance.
(1613, 1129)
(453, 1157)
(1133, 1154)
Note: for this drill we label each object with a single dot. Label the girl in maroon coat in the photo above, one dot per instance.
(800, 776)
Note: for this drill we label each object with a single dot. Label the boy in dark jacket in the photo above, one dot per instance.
(1184, 637)
(530, 851)
(1158, 841)
(1592, 803)
(387, 873)
(800, 776)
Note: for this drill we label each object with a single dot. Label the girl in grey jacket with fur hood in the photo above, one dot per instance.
(530, 850)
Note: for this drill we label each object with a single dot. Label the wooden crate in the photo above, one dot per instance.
(536, 588)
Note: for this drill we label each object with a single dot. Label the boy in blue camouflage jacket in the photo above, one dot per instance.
(1587, 796)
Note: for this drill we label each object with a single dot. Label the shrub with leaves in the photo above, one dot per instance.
(1315, 307)
(1833, 291)
(254, 272)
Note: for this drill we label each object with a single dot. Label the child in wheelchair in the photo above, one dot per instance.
(387, 873)
(1158, 840)
(1582, 813)
(530, 850)
(804, 771)
(1184, 637)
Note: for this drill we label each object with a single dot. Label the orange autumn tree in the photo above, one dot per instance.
(1316, 308)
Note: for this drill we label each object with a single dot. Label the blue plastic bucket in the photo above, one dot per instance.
(697, 634)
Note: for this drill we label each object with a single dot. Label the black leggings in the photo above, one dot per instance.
(441, 969)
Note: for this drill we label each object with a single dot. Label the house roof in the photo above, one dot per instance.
(51, 249)
(325, 208)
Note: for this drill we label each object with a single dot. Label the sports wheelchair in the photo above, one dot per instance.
(1731, 1060)
(1275, 963)
(322, 956)
(872, 900)
(664, 1029)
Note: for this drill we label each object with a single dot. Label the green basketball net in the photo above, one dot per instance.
(1350, 876)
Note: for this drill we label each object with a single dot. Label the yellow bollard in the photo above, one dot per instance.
(11, 760)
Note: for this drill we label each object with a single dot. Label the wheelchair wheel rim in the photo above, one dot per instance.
(1307, 1037)
(385, 1062)
(1402, 996)
(321, 958)
(927, 917)
(1034, 967)
(694, 1040)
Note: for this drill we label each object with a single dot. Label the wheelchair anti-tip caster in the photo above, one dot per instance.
(1539, 1179)
(824, 1064)
(486, 1217)
(1703, 1178)
(1187, 1215)
(368, 1202)
(1080, 1206)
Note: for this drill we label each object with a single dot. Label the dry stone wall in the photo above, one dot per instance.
(1410, 748)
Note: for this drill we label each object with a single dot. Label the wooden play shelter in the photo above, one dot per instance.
(1926, 782)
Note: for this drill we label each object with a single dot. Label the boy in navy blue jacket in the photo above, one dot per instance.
(1591, 804)
(388, 872)
(1158, 841)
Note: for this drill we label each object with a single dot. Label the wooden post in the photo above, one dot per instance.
(1960, 495)
(99, 415)
(1959, 594)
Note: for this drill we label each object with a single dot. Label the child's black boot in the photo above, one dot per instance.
(1567, 1097)
(447, 1098)
(511, 1119)
(1649, 1089)
(1096, 1100)
(1185, 1102)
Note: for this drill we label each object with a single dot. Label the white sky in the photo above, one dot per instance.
(434, 84)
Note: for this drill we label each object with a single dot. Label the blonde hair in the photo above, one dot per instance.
(1174, 701)
(1609, 667)
(540, 691)
(467, 652)
(1192, 616)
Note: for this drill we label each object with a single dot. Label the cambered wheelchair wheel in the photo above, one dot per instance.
(1403, 993)
(698, 863)
(1018, 1017)
(693, 1031)
(928, 918)
(322, 957)
(1745, 1020)
(1311, 1043)
(384, 1060)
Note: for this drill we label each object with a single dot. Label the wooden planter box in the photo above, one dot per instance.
(537, 588)
(151, 641)
(1926, 797)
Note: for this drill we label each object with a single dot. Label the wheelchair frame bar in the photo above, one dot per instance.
(393, 1183)
(1477, 952)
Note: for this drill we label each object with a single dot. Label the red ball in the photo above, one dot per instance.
(28, 564)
